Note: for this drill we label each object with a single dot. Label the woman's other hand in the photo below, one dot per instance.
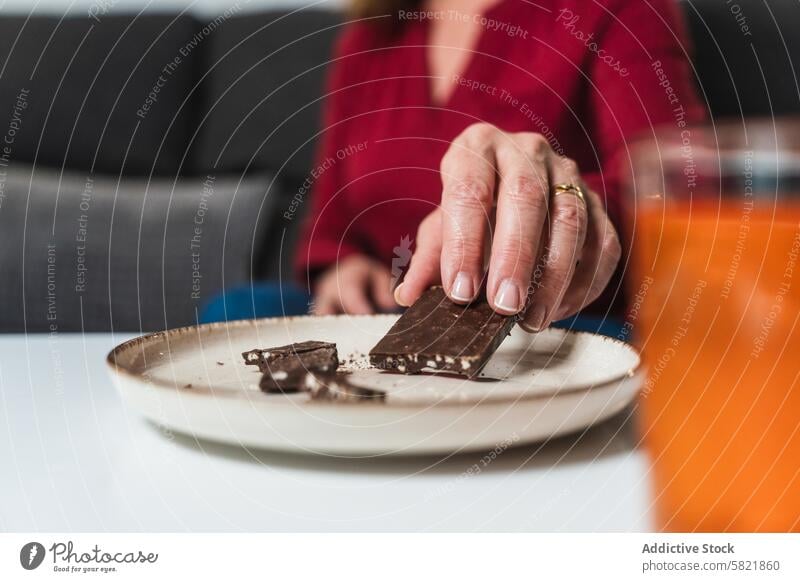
(357, 285)
(550, 255)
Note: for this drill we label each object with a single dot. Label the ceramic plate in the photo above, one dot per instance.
(193, 380)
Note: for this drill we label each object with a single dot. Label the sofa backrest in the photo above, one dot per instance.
(261, 92)
(105, 96)
(245, 94)
(747, 55)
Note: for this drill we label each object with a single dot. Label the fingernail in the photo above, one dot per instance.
(397, 295)
(508, 298)
(463, 289)
(536, 317)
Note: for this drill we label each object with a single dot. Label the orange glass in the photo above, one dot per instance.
(715, 295)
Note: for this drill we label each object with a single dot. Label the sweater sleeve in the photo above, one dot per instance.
(654, 87)
(324, 239)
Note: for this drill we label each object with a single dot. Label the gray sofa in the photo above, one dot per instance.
(118, 133)
(126, 132)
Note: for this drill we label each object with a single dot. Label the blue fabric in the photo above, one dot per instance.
(269, 300)
(609, 326)
(254, 301)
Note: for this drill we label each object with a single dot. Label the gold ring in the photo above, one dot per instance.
(559, 189)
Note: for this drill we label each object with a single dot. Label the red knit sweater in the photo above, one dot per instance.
(587, 74)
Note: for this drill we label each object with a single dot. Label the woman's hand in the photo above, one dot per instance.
(550, 254)
(357, 285)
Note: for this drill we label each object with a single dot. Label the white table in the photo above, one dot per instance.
(73, 458)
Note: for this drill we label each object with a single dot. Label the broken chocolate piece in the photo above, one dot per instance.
(338, 387)
(285, 368)
(438, 335)
(288, 375)
(262, 358)
(310, 366)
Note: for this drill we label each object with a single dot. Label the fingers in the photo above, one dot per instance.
(468, 178)
(602, 252)
(354, 286)
(324, 305)
(425, 267)
(522, 207)
(568, 226)
(547, 259)
(353, 298)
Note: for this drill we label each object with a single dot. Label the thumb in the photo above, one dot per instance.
(424, 270)
(381, 279)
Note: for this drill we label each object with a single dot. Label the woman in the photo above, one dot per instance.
(488, 135)
(459, 120)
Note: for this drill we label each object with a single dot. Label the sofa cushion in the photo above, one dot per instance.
(101, 95)
(92, 253)
(265, 76)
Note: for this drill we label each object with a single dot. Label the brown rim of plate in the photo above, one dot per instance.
(137, 342)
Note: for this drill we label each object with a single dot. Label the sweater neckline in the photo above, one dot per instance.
(467, 72)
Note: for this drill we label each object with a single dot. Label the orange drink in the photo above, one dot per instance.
(719, 325)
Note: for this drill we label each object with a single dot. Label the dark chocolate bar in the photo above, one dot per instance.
(436, 334)
(285, 368)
